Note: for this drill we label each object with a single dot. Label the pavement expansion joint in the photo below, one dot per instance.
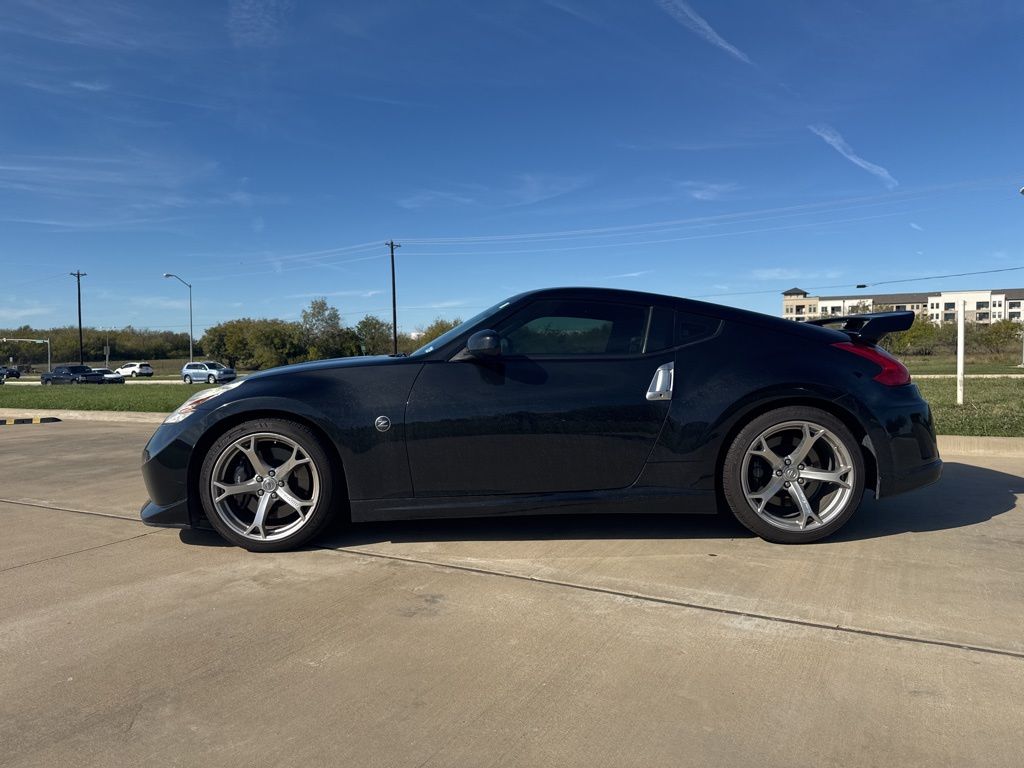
(639, 596)
(896, 636)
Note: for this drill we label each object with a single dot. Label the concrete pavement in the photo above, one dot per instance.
(563, 641)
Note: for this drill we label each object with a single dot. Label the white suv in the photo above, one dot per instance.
(135, 370)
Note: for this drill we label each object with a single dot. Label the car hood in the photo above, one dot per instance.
(322, 365)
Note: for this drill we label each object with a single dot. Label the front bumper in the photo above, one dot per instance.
(165, 467)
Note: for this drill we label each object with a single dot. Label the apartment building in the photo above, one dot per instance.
(983, 306)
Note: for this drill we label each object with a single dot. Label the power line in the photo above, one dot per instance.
(862, 285)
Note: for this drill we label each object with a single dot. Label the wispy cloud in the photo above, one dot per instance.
(425, 198)
(18, 314)
(91, 86)
(257, 23)
(522, 190)
(159, 302)
(789, 273)
(702, 190)
(916, 226)
(626, 275)
(834, 139)
(335, 294)
(534, 188)
(694, 22)
(582, 13)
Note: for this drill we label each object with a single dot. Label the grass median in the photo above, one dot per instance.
(154, 398)
(992, 407)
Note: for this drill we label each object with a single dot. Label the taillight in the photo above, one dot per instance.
(893, 373)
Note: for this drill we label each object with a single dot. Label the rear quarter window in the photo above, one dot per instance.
(675, 328)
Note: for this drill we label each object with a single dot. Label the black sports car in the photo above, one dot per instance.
(560, 400)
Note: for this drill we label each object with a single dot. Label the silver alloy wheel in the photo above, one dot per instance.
(188, 379)
(797, 475)
(211, 380)
(265, 486)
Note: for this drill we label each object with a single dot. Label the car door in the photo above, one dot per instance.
(565, 407)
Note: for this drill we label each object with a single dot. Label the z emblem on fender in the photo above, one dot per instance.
(383, 423)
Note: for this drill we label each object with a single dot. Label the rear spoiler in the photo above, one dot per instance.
(870, 327)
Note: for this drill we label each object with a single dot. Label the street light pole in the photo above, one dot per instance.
(168, 274)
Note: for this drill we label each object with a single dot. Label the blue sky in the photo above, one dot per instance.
(266, 149)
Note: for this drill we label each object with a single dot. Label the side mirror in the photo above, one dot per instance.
(484, 344)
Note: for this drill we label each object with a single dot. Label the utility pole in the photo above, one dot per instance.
(78, 275)
(394, 296)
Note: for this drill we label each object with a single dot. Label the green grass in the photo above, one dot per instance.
(991, 406)
(973, 364)
(157, 398)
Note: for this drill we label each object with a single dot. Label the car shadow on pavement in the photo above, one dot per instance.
(965, 495)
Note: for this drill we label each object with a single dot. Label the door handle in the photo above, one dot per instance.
(661, 384)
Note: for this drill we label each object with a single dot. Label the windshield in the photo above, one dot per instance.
(79, 368)
(444, 338)
(214, 366)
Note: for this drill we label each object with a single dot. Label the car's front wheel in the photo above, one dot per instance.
(267, 485)
(794, 475)
(211, 379)
(135, 374)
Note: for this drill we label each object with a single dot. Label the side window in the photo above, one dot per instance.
(566, 327)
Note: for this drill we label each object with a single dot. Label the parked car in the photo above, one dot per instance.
(208, 371)
(135, 370)
(71, 374)
(9, 372)
(566, 400)
(109, 377)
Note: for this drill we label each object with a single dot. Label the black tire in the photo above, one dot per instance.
(211, 379)
(134, 374)
(316, 520)
(188, 379)
(776, 528)
(76, 381)
(47, 383)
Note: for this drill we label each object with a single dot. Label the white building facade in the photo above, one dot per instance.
(983, 306)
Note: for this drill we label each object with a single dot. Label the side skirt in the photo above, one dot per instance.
(628, 500)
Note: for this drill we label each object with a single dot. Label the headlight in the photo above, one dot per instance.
(203, 396)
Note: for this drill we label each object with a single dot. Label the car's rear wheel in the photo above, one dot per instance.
(794, 475)
(211, 379)
(47, 383)
(267, 485)
(188, 379)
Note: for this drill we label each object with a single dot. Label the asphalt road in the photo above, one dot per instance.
(613, 641)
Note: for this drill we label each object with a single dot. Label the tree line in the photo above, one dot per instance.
(248, 343)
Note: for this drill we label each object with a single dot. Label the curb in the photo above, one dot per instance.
(29, 420)
(127, 417)
(965, 445)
